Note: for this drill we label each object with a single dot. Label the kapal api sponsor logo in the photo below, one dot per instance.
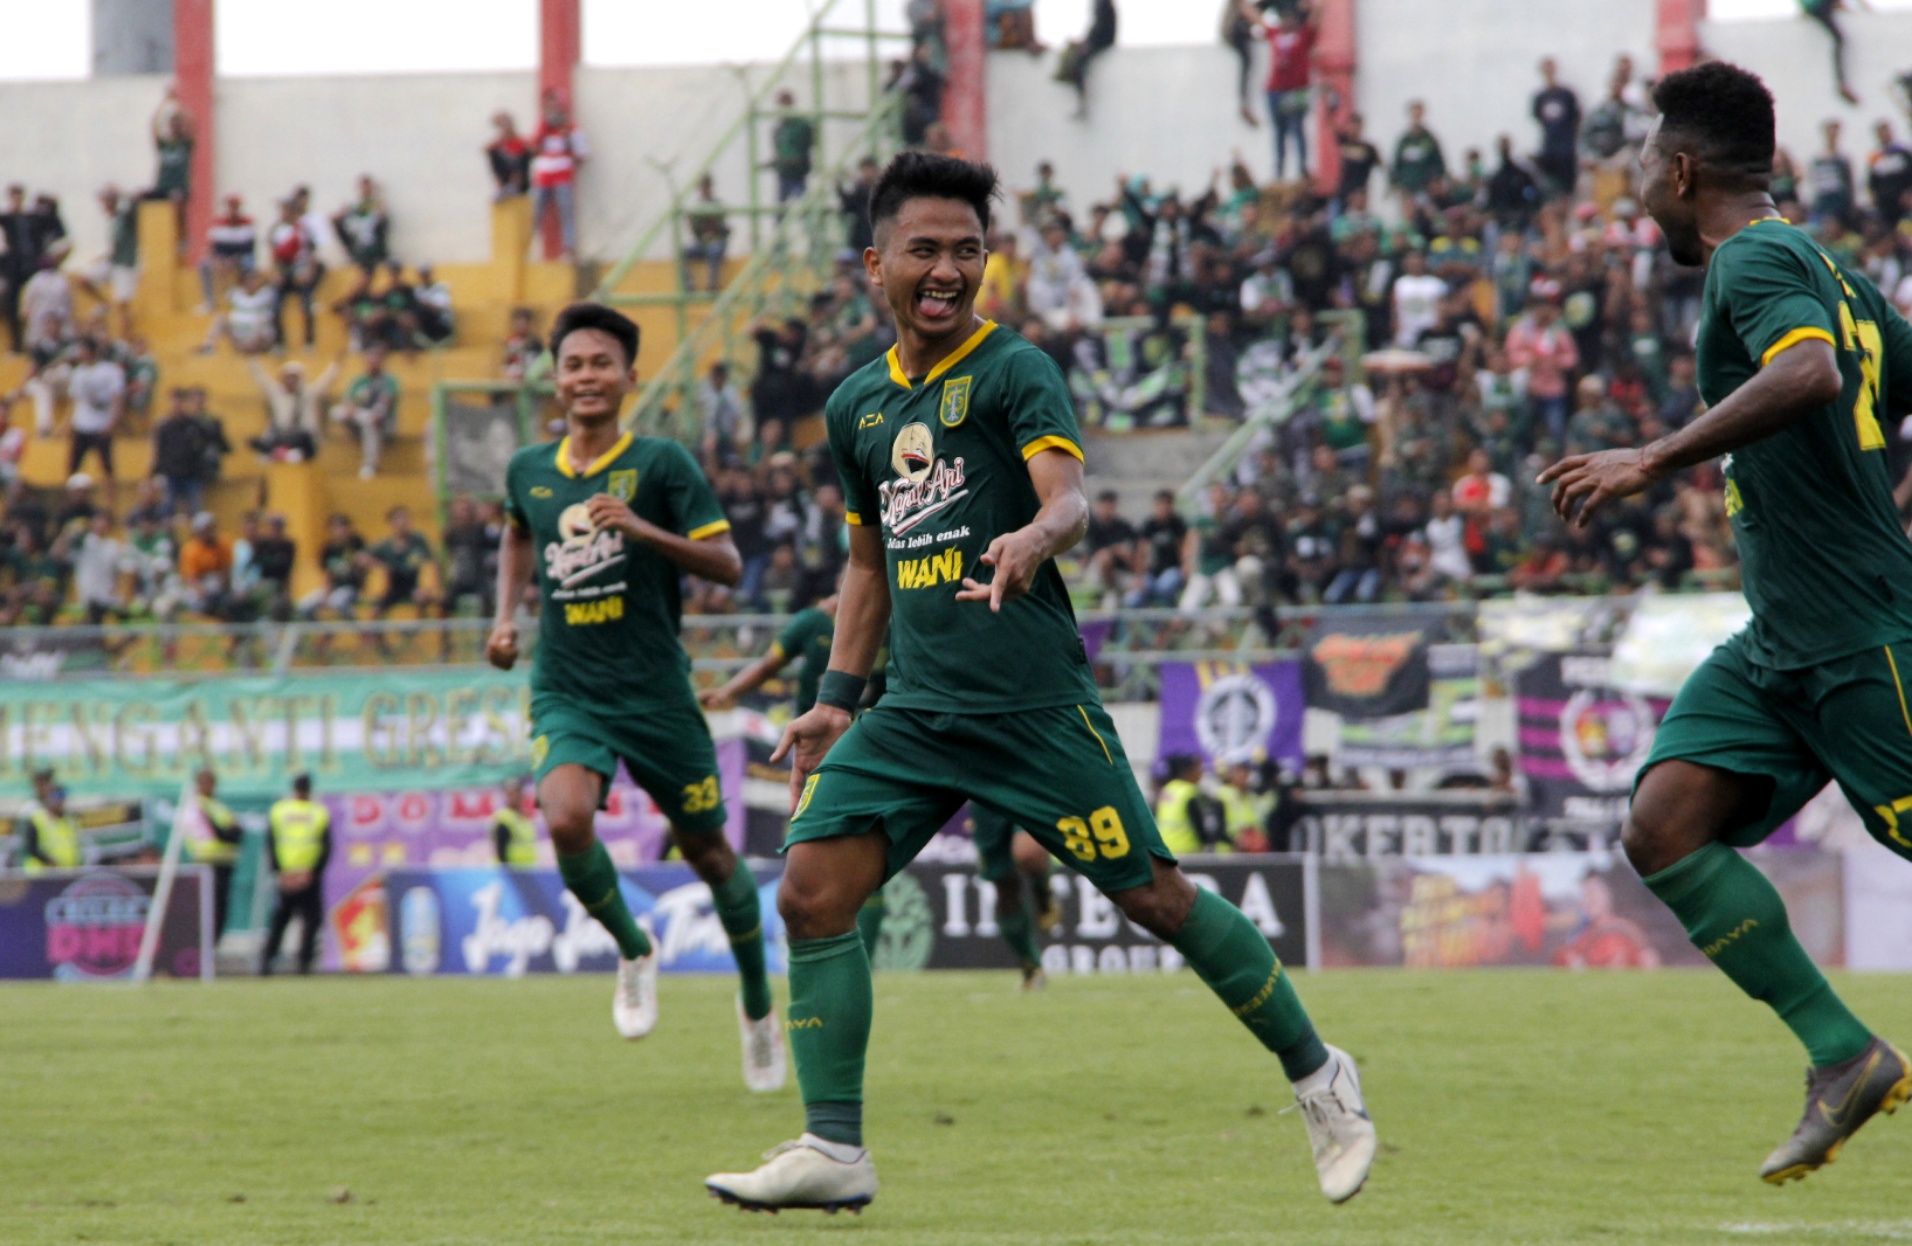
(581, 550)
(925, 484)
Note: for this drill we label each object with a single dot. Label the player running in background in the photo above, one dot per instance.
(962, 472)
(1009, 859)
(1801, 363)
(609, 521)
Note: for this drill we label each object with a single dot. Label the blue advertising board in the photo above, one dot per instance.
(509, 922)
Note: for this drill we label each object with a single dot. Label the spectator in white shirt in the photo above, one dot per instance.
(99, 561)
(98, 387)
(1446, 534)
(1059, 289)
(250, 319)
(1417, 300)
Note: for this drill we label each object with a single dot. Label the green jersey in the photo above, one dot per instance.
(939, 465)
(1823, 557)
(807, 638)
(609, 606)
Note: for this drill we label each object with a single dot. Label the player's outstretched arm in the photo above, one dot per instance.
(1017, 556)
(1799, 380)
(712, 557)
(514, 575)
(862, 620)
(749, 679)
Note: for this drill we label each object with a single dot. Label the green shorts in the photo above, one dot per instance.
(992, 834)
(665, 744)
(1057, 773)
(1844, 720)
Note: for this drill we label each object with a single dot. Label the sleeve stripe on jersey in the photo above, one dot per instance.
(709, 529)
(1809, 333)
(853, 519)
(1040, 444)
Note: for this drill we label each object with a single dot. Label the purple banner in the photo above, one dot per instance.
(85, 925)
(1228, 712)
(373, 832)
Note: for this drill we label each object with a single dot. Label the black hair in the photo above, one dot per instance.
(1724, 112)
(926, 175)
(595, 316)
(302, 783)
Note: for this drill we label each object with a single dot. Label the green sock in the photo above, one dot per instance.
(737, 908)
(590, 876)
(828, 1025)
(1733, 915)
(869, 924)
(1019, 931)
(1231, 956)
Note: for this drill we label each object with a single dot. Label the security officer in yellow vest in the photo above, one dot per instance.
(300, 845)
(513, 835)
(52, 838)
(213, 839)
(1189, 818)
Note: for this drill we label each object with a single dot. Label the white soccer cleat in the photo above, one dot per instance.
(634, 1006)
(1339, 1129)
(808, 1173)
(763, 1050)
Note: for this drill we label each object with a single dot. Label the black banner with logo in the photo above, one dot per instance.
(1582, 741)
(1371, 666)
(940, 915)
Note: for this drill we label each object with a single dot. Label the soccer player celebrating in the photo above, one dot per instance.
(609, 520)
(1800, 360)
(962, 471)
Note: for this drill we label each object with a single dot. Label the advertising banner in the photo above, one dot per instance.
(1369, 666)
(1667, 635)
(1225, 712)
(1440, 735)
(508, 923)
(85, 925)
(373, 832)
(1356, 826)
(1581, 740)
(395, 729)
(939, 915)
(1574, 910)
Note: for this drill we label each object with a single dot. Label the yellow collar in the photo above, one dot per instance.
(597, 465)
(949, 361)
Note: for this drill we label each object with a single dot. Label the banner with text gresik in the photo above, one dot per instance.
(1225, 712)
(1370, 665)
(1582, 740)
(360, 732)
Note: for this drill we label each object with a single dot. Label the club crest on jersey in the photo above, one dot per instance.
(954, 407)
(623, 485)
(912, 452)
(581, 551)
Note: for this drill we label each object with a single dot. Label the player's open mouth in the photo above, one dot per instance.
(937, 304)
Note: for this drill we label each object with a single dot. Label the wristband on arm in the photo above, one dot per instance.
(840, 689)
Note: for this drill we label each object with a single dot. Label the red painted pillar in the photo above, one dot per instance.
(965, 98)
(1678, 37)
(1334, 62)
(560, 48)
(193, 69)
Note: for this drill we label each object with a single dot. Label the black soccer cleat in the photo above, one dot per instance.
(1839, 1099)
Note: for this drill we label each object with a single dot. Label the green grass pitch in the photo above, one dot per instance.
(1514, 1107)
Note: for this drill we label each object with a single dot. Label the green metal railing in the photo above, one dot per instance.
(789, 257)
(795, 262)
(1345, 340)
